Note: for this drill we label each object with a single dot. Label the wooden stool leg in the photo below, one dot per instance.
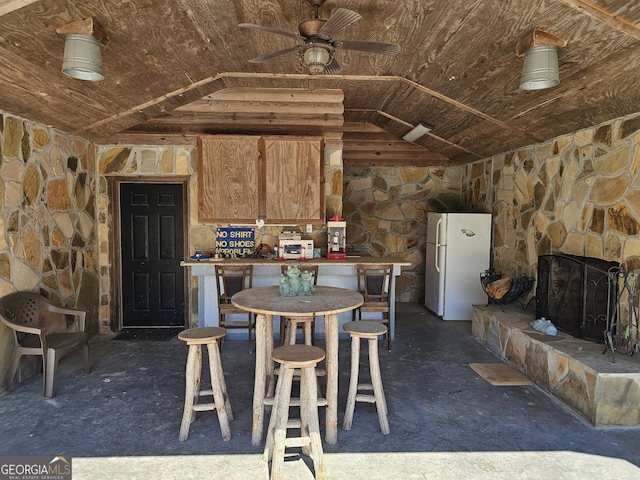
(308, 332)
(291, 328)
(223, 384)
(261, 380)
(376, 381)
(310, 422)
(280, 427)
(305, 407)
(353, 383)
(283, 337)
(218, 393)
(268, 445)
(271, 377)
(192, 385)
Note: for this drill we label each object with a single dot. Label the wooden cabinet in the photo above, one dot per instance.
(245, 178)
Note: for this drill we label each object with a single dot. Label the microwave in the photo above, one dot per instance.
(291, 249)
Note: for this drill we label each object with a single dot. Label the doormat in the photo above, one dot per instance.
(151, 334)
(500, 374)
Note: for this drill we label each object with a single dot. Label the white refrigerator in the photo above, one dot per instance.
(458, 251)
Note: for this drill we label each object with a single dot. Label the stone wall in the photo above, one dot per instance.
(48, 240)
(385, 210)
(577, 194)
(174, 162)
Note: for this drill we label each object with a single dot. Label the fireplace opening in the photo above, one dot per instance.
(576, 294)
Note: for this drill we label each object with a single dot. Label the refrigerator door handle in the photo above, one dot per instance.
(438, 245)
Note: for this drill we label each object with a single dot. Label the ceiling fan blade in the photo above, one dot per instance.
(371, 47)
(332, 67)
(340, 19)
(271, 55)
(253, 26)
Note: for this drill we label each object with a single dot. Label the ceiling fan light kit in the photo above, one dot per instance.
(315, 58)
(418, 131)
(317, 52)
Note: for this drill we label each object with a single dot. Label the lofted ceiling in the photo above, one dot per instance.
(178, 68)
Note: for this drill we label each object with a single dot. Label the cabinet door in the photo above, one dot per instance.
(294, 180)
(229, 176)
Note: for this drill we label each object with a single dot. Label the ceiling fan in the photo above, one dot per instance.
(318, 47)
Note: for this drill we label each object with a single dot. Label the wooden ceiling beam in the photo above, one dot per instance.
(249, 119)
(190, 139)
(268, 105)
(455, 103)
(303, 95)
(8, 6)
(151, 139)
(604, 16)
(364, 145)
(183, 96)
(426, 159)
(129, 117)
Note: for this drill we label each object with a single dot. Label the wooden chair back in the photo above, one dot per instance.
(374, 282)
(229, 281)
(232, 279)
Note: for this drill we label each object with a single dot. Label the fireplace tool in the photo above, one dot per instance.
(626, 297)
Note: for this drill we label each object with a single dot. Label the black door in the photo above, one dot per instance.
(152, 248)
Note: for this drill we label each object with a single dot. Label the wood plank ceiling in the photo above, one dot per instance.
(178, 68)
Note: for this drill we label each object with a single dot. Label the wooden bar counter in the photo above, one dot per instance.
(332, 273)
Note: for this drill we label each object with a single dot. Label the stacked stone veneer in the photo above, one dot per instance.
(170, 163)
(574, 371)
(48, 239)
(577, 194)
(385, 210)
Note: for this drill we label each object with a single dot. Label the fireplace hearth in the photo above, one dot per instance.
(574, 371)
(576, 294)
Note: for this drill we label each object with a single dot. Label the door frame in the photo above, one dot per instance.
(115, 233)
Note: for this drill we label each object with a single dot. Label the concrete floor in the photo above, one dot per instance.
(121, 421)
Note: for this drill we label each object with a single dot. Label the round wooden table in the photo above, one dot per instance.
(266, 302)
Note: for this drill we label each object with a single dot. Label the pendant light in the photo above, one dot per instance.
(82, 53)
(540, 51)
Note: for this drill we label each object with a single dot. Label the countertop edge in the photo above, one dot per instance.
(351, 261)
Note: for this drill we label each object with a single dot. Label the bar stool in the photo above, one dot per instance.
(292, 324)
(305, 358)
(370, 331)
(195, 338)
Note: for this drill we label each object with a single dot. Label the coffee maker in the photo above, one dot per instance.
(337, 238)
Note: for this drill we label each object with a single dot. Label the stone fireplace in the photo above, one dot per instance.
(575, 294)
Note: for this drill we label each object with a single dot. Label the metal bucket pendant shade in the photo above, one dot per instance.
(82, 58)
(540, 68)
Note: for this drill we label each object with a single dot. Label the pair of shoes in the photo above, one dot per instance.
(545, 326)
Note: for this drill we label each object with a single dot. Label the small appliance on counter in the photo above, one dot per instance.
(337, 240)
(292, 247)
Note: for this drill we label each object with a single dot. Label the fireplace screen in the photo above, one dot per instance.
(573, 293)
